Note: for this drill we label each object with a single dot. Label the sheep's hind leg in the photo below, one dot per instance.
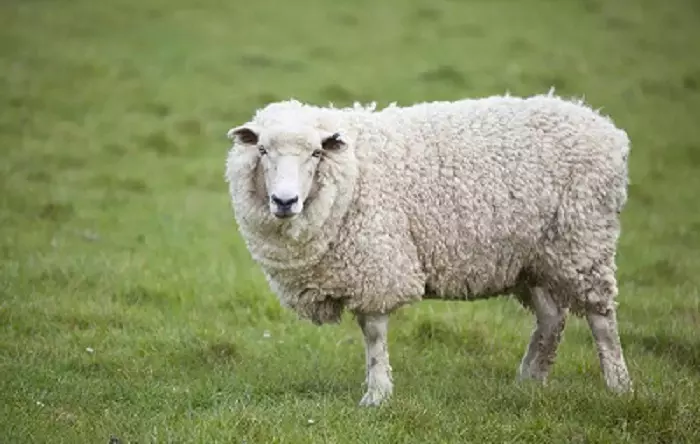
(378, 371)
(546, 336)
(603, 324)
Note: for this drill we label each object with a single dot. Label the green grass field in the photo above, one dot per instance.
(129, 306)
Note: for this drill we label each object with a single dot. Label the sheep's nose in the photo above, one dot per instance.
(284, 203)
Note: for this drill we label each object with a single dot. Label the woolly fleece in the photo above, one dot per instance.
(456, 200)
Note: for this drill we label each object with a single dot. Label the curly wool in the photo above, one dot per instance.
(454, 200)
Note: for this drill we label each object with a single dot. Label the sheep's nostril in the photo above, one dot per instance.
(285, 203)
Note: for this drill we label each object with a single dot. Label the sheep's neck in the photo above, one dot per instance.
(300, 242)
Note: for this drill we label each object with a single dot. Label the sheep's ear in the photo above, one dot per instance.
(246, 134)
(333, 142)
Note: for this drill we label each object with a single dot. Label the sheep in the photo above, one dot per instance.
(363, 210)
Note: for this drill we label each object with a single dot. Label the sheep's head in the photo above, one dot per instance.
(289, 159)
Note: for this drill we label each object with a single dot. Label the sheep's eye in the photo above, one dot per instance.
(262, 150)
(317, 153)
(333, 142)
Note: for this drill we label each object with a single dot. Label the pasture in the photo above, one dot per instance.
(130, 308)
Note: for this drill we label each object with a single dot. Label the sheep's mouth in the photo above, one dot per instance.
(284, 214)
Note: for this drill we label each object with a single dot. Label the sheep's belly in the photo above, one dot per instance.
(474, 283)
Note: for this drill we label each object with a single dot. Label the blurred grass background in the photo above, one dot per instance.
(129, 306)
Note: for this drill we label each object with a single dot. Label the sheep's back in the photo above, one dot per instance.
(481, 182)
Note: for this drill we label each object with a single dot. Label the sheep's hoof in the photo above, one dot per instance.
(375, 396)
(527, 377)
(620, 387)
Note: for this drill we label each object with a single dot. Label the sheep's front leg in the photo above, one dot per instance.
(378, 371)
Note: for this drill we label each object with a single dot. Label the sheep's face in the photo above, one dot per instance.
(289, 160)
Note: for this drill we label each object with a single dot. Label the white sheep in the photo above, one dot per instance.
(370, 210)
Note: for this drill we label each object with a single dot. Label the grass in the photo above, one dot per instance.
(129, 306)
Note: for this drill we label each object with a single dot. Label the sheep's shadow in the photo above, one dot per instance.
(322, 387)
(685, 352)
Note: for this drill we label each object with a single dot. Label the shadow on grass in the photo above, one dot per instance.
(663, 272)
(684, 352)
(646, 417)
(445, 74)
(203, 355)
(313, 388)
